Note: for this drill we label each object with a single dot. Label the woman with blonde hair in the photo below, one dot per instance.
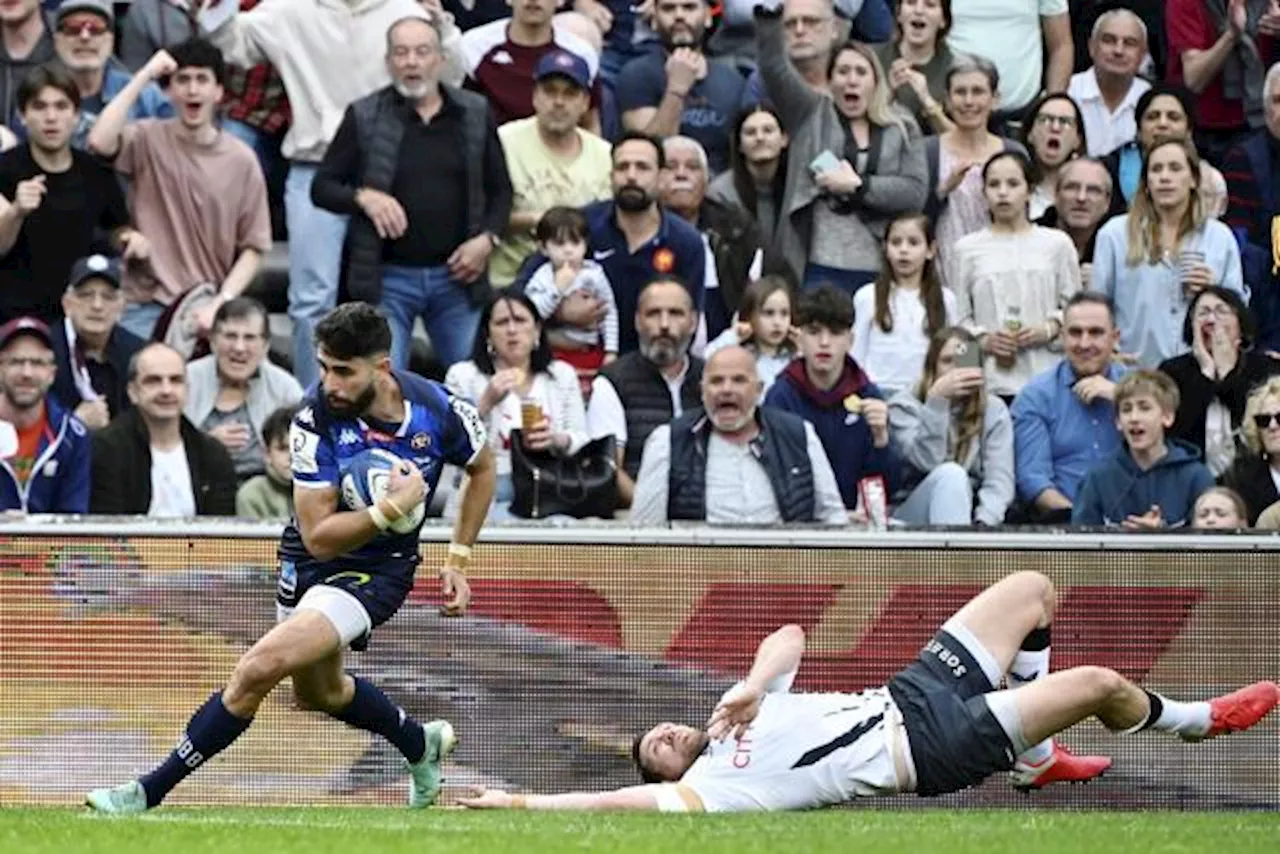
(851, 162)
(1256, 470)
(1154, 260)
(956, 440)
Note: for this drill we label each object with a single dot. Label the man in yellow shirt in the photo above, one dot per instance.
(551, 160)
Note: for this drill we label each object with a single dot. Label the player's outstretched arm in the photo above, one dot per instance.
(642, 798)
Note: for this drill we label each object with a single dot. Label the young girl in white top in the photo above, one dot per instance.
(763, 326)
(895, 318)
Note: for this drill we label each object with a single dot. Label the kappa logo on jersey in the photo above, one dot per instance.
(348, 437)
(471, 422)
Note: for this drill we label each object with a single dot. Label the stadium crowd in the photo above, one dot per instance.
(976, 263)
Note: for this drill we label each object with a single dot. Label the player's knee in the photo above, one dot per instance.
(1042, 589)
(258, 672)
(1105, 682)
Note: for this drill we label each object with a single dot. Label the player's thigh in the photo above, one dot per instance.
(1000, 617)
(321, 685)
(303, 639)
(1046, 707)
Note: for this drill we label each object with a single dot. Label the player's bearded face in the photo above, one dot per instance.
(344, 406)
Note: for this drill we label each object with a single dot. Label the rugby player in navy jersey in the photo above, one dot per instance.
(343, 572)
(939, 726)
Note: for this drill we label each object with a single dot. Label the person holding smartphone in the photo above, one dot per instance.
(956, 441)
(853, 162)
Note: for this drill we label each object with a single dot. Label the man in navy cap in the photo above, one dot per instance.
(90, 345)
(44, 450)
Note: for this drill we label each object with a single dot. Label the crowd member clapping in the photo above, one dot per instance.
(1256, 470)
(56, 203)
(895, 319)
(851, 164)
(956, 441)
(517, 385)
(1215, 378)
(1153, 260)
(1012, 280)
(92, 348)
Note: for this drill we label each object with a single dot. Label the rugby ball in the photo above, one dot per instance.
(364, 481)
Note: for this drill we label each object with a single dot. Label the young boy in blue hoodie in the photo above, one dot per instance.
(1152, 482)
(826, 387)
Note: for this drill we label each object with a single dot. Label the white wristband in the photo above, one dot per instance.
(379, 518)
(459, 550)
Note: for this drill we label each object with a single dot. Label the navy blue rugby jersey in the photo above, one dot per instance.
(437, 428)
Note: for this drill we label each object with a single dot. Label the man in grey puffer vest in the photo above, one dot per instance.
(419, 168)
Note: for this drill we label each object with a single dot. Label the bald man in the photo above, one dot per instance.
(732, 462)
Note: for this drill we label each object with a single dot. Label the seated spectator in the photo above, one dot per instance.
(503, 56)
(231, 391)
(957, 202)
(1085, 13)
(826, 387)
(1163, 112)
(56, 203)
(1253, 206)
(733, 41)
(1080, 204)
(84, 41)
(762, 326)
(151, 460)
(676, 90)
(869, 168)
(1053, 135)
(1221, 509)
(1011, 281)
(956, 441)
(917, 61)
(1152, 482)
(28, 44)
(197, 191)
(46, 464)
(895, 320)
(735, 254)
(757, 171)
(91, 347)
(652, 384)
(1255, 473)
(634, 238)
(568, 274)
(1269, 520)
(269, 496)
(1108, 91)
(1064, 419)
(734, 461)
(1152, 260)
(1215, 378)
(551, 160)
(510, 369)
(1220, 50)
(1030, 43)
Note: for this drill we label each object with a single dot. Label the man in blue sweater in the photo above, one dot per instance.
(826, 387)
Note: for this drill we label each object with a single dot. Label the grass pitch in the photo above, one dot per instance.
(390, 831)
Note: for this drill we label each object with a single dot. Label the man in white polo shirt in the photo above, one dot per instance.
(1108, 91)
(1015, 35)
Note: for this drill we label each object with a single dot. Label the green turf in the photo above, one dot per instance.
(391, 831)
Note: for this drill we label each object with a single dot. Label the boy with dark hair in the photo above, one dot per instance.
(56, 203)
(568, 274)
(826, 387)
(270, 495)
(1152, 482)
(197, 191)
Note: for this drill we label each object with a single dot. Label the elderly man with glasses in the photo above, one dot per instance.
(1081, 203)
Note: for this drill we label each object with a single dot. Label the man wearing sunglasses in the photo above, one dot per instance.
(84, 39)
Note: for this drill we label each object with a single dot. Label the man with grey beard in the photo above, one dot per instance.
(425, 211)
(646, 388)
(733, 462)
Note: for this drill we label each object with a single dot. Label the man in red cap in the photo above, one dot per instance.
(44, 449)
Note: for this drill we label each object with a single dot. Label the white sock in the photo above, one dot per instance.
(1028, 666)
(1193, 719)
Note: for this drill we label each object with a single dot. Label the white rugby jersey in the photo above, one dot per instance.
(802, 751)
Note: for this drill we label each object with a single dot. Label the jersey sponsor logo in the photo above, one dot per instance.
(947, 657)
(477, 435)
(664, 260)
(288, 584)
(742, 753)
(360, 577)
(303, 445)
(348, 437)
